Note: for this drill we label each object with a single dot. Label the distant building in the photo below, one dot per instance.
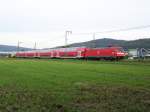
(6, 54)
(139, 53)
(133, 53)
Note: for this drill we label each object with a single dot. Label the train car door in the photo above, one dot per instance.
(57, 54)
(79, 54)
(52, 54)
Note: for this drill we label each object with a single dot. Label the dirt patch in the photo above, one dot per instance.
(112, 99)
(13, 100)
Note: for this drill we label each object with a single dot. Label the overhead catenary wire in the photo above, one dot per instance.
(117, 30)
(93, 34)
(111, 31)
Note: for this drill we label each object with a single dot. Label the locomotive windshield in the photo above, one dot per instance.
(121, 49)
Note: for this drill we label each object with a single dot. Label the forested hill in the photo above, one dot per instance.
(140, 43)
(7, 48)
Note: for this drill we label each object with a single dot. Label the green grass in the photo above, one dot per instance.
(74, 86)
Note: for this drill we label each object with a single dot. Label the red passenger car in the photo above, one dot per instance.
(76, 52)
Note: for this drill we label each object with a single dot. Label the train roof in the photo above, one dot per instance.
(65, 49)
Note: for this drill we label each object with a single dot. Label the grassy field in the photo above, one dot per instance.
(28, 85)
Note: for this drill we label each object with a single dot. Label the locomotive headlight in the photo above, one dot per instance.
(120, 53)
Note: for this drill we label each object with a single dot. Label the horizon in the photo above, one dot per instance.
(72, 43)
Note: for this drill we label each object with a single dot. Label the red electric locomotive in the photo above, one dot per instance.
(106, 53)
(76, 52)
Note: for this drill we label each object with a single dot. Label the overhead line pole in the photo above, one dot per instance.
(18, 46)
(94, 41)
(66, 40)
(66, 37)
(35, 46)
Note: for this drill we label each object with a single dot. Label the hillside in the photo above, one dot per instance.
(7, 48)
(141, 43)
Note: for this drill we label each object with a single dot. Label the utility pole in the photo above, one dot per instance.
(35, 46)
(94, 42)
(66, 37)
(35, 50)
(18, 46)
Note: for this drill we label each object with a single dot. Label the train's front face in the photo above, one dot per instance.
(119, 51)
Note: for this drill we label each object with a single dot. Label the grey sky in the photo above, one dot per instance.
(45, 21)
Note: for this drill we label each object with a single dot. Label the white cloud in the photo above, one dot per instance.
(39, 20)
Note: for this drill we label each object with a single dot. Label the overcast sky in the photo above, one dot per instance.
(45, 21)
